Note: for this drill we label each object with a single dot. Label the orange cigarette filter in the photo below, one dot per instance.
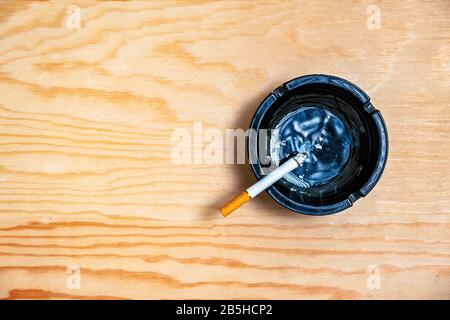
(234, 203)
(263, 184)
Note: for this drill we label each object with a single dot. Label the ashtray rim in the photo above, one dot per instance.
(368, 108)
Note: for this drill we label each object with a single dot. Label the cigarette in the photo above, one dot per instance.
(263, 184)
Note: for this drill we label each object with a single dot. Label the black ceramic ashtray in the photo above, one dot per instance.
(334, 123)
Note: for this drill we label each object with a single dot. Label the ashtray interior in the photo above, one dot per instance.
(318, 133)
(335, 125)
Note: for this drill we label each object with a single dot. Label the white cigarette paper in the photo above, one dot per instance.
(276, 175)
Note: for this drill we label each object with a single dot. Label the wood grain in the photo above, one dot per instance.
(86, 178)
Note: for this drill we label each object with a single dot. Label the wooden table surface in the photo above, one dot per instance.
(92, 205)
